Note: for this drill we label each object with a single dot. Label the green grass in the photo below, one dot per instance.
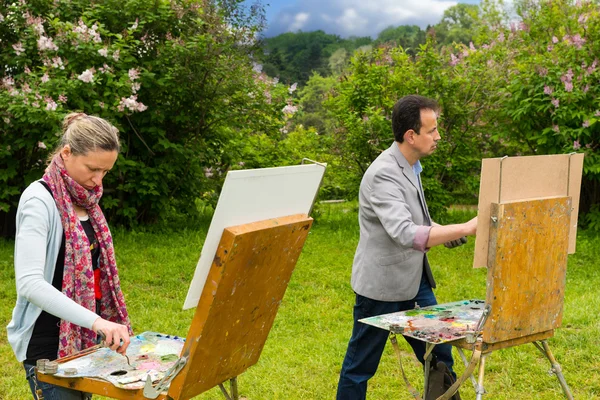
(304, 351)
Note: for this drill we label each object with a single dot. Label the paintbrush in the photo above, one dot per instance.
(103, 338)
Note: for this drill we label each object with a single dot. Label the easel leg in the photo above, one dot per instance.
(234, 390)
(479, 388)
(427, 356)
(556, 369)
(411, 389)
(461, 353)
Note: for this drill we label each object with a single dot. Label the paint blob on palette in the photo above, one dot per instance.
(149, 353)
(435, 324)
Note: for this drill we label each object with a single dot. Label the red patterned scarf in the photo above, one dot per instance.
(78, 277)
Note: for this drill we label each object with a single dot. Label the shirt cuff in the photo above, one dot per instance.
(421, 238)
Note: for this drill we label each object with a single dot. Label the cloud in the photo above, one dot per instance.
(356, 17)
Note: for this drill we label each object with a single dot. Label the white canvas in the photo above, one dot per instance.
(255, 195)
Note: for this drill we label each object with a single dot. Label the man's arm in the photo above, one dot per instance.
(440, 234)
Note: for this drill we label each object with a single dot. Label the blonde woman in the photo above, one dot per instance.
(66, 275)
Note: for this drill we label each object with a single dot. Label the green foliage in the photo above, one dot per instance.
(409, 37)
(175, 77)
(549, 91)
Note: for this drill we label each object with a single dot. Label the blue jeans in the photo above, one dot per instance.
(367, 342)
(49, 391)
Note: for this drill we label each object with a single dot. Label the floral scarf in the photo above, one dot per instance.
(78, 277)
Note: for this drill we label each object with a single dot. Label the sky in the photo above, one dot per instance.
(351, 17)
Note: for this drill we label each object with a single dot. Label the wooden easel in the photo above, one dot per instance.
(246, 283)
(527, 263)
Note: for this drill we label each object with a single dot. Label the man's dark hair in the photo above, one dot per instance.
(407, 114)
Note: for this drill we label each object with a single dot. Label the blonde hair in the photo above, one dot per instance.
(84, 133)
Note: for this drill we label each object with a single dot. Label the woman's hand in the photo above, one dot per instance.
(117, 335)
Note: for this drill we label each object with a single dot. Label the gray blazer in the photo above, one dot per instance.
(387, 264)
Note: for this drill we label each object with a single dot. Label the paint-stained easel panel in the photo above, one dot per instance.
(523, 178)
(246, 283)
(526, 278)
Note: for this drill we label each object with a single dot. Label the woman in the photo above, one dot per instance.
(65, 270)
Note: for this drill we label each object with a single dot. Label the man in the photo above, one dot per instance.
(390, 272)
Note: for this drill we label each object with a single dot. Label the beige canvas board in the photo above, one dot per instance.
(522, 178)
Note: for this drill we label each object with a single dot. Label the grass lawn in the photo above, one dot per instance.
(304, 351)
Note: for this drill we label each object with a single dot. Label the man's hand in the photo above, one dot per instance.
(455, 243)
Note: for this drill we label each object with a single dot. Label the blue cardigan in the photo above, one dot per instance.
(37, 243)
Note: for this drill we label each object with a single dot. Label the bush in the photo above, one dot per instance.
(176, 78)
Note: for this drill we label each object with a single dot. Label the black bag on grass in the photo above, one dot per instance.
(440, 380)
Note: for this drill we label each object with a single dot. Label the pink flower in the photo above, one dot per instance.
(46, 43)
(101, 104)
(18, 47)
(550, 48)
(26, 88)
(576, 145)
(586, 88)
(289, 109)
(597, 113)
(554, 39)
(62, 98)
(41, 145)
(57, 63)
(555, 128)
(86, 76)
(27, 70)
(116, 55)
(135, 87)
(569, 86)
(45, 78)
(36, 104)
(586, 123)
(555, 102)
(104, 68)
(548, 90)
(50, 104)
(472, 46)
(453, 60)
(133, 74)
(132, 104)
(103, 52)
(578, 41)
(501, 37)
(8, 81)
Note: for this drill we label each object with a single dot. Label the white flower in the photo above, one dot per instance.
(46, 43)
(116, 55)
(103, 52)
(41, 145)
(1, 18)
(86, 76)
(45, 78)
(257, 68)
(135, 86)
(135, 25)
(292, 88)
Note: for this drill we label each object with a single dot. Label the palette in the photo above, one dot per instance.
(149, 353)
(434, 324)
